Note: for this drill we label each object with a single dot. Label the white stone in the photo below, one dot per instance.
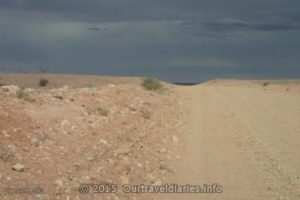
(139, 164)
(10, 89)
(175, 138)
(4, 132)
(163, 150)
(158, 182)
(18, 167)
(59, 183)
(151, 178)
(65, 123)
(86, 178)
(34, 140)
(103, 142)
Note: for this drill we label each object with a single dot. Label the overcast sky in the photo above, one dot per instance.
(174, 40)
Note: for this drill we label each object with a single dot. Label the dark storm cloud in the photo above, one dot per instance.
(123, 10)
(242, 26)
(153, 37)
(96, 29)
(231, 27)
(97, 10)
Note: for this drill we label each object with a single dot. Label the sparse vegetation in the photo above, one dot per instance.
(7, 154)
(102, 111)
(266, 84)
(98, 111)
(43, 82)
(152, 84)
(21, 94)
(146, 114)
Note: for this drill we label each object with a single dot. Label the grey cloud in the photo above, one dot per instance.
(147, 37)
(132, 10)
(93, 29)
(215, 34)
(98, 10)
(224, 27)
(275, 27)
(242, 26)
(229, 28)
(292, 17)
(96, 29)
(187, 23)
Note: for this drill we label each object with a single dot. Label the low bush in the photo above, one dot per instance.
(43, 82)
(266, 84)
(152, 84)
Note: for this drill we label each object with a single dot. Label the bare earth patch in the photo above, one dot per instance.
(64, 137)
(241, 135)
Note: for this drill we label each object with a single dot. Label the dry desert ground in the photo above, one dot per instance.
(243, 136)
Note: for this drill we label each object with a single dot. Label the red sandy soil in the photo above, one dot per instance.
(242, 135)
(64, 137)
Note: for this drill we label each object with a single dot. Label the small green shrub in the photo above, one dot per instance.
(43, 82)
(102, 111)
(266, 84)
(98, 111)
(152, 84)
(21, 94)
(146, 114)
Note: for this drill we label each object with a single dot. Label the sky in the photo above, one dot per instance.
(172, 40)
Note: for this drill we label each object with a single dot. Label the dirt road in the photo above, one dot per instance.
(245, 139)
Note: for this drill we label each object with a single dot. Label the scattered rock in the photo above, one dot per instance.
(139, 164)
(132, 107)
(10, 89)
(91, 158)
(150, 178)
(4, 132)
(103, 142)
(95, 140)
(8, 153)
(65, 124)
(175, 138)
(76, 165)
(123, 149)
(163, 150)
(58, 97)
(163, 167)
(18, 167)
(59, 183)
(157, 182)
(30, 90)
(85, 178)
(34, 140)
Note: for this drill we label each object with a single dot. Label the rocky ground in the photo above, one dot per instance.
(240, 135)
(56, 139)
(60, 80)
